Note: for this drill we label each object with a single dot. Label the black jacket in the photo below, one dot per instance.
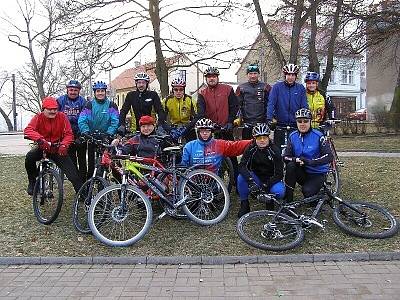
(266, 163)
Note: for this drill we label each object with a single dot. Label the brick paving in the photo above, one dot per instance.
(300, 280)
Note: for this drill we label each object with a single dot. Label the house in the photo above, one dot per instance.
(345, 87)
(124, 82)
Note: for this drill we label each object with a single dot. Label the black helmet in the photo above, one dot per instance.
(261, 129)
(252, 68)
(303, 113)
(211, 71)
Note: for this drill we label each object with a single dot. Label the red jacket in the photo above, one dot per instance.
(51, 130)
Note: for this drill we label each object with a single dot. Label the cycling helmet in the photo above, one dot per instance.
(304, 113)
(204, 123)
(252, 68)
(261, 129)
(178, 82)
(211, 71)
(291, 69)
(99, 85)
(147, 120)
(74, 84)
(142, 76)
(311, 76)
(49, 103)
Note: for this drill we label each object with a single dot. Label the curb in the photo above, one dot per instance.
(201, 260)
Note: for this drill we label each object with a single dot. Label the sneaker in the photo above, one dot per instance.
(30, 188)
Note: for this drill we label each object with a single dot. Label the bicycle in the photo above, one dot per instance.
(333, 177)
(48, 192)
(122, 214)
(284, 229)
(97, 182)
(287, 130)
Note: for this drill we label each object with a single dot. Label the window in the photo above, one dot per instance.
(347, 77)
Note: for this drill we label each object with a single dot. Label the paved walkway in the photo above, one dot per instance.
(318, 280)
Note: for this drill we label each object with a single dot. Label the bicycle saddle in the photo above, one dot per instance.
(172, 149)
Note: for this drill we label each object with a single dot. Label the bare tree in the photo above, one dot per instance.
(4, 105)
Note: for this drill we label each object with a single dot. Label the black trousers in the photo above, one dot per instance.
(63, 162)
(311, 183)
(77, 153)
(279, 137)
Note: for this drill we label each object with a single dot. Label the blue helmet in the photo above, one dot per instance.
(311, 76)
(252, 68)
(74, 83)
(99, 85)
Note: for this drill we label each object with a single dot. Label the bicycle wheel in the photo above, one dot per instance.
(227, 173)
(376, 223)
(177, 213)
(82, 201)
(333, 180)
(268, 230)
(207, 198)
(120, 223)
(48, 196)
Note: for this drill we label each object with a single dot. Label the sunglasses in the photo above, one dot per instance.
(262, 138)
(302, 121)
(178, 89)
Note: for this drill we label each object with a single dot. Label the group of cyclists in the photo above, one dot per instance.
(255, 106)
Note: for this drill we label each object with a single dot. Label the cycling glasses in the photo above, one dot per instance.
(303, 120)
(178, 89)
(262, 138)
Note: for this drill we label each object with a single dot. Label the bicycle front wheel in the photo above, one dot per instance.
(82, 202)
(48, 196)
(269, 230)
(227, 173)
(206, 197)
(371, 222)
(120, 219)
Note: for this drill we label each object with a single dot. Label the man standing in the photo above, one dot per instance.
(72, 104)
(285, 99)
(142, 101)
(253, 99)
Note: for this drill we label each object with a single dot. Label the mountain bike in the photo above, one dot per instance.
(333, 178)
(48, 193)
(284, 229)
(98, 181)
(286, 130)
(226, 170)
(122, 214)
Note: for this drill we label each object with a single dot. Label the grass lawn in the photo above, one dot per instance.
(372, 179)
(386, 143)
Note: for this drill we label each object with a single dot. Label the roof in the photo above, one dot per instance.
(125, 79)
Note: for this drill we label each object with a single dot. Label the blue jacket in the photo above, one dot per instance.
(284, 101)
(103, 117)
(312, 148)
(212, 152)
(72, 108)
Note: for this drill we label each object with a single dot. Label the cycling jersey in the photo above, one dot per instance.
(218, 103)
(72, 108)
(253, 99)
(211, 153)
(312, 148)
(284, 101)
(141, 145)
(179, 111)
(316, 104)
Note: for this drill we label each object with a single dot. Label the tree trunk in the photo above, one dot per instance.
(264, 29)
(10, 126)
(312, 52)
(296, 29)
(161, 66)
(331, 46)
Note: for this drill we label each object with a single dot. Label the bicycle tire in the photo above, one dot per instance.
(207, 198)
(113, 226)
(227, 173)
(47, 204)
(81, 205)
(352, 223)
(264, 236)
(333, 178)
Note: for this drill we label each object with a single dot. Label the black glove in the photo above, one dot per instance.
(121, 130)
(253, 187)
(271, 125)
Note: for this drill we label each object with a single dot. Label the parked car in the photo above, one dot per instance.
(360, 114)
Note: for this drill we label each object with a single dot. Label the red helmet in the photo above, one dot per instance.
(49, 103)
(146, 120)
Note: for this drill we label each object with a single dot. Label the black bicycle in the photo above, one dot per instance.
(97, 182)
(284, 229)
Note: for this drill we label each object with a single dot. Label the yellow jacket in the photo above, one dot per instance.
(179, 111)
(316, 103)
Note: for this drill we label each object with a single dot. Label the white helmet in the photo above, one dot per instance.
(204, 123)
(291, 69)
(142, 76)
